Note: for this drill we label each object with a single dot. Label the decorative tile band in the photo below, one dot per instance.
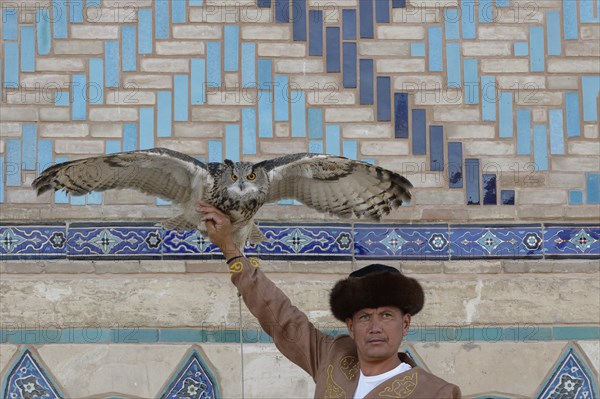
(125, 241)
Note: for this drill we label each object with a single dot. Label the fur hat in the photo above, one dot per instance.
(374, 286)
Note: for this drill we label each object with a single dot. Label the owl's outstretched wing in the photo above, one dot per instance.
(336, 185)
(164, 173)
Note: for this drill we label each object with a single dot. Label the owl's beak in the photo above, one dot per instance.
(241, 186)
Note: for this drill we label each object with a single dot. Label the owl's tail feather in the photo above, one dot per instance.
(179, 222)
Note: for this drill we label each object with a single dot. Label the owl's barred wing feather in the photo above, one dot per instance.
(164, 173)
(336, 185)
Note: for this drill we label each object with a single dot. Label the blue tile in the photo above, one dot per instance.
(570, 24)
(590, 86)
(307, 241)
(366, 81)
(572, 114)
(33, 242)
(13, 162)
(130, 137)
(332, 139)
(44, 155)
(419, 132)
(164, 118)
(401, 242)
(401, 115)
(29, 146)
(43, 31)
(507, 197)
(417, 49)
(523, 132)
(505, 110)
(265, 113)
(79, 106)
(382, 11)
(495, 241)
(553, 32)
(453, 63)
(181, 97)
(502, 3)
(435, 49)
(265, 79)
(161, 19)
(578, 333)
(90, 241)
(350, 149)
(145, 31)
(282, 11)
(60, 197)
(198, 81)
(27, 49)
(298, 103)
(129, 48)
(332, 35)
(315, 146)
(96, 86)
(283, 98)
(575, 197)
(263, 3)
(62, 99)
(179, 11)
(94, 198)
(28, 372)
(489, 189)
(384, 101)
(540, 147)
(112, 63)
(557, 134)
(486, 11)
(113, 146)
(398, 3)
(249, 131)
(76, 11)
(188, 243)
(92, 4)
(248, 65)
(231, 49)
(299, 19)
(134, 335)
(571, 240)
(455, 168)
(213, 64)
(232, 142)
(215, 151)
(146, 128)
(10, 20)
(315, 123)
(472, 180)
(587, 12)
(521, 49)
(315, 32)
(194, 373)
(489, 97)
(1, 182)
(451, 20)
(467, 8)
(59, 20)
(536, 49)
(349, 24)
(77, 200)
(11, 64)
(592, 188)
(436, 148)
(471, 81)
(349, 67)
(365, 12)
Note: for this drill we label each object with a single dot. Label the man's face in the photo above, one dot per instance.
(378, 332)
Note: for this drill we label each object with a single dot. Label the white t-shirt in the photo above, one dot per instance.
(367, 383)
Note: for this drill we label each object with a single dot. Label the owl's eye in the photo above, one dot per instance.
(234, 177)
(251, 176)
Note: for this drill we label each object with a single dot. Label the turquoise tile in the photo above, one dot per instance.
(130, 137)
(231, 47)
(179, 9)
(29, 146)
(575, 197)
(521, 49)
(162, 202)
(181, 98)
(213, 64)
(96, 79)
(590, 87)
(332, 139)
(592, 188)
(553, 32)
(59, 19)
(248, 65)
(2, 168)
(350, 149)
(77, 200)
(61, 99)
(196, 2)
(557, 134)
(587, 12)
(489, 97)
(134, 335)
(417, 49)
(161, 19)
(215, 151)
(13, 162)
(164, 118)
(540, 147)
(435, 49)
(572, 114)
(505, 111)
(180, 335)
(265, 79)
(315, 123)
(523, 132)
(112, 63)
(129, 48)
(44, 155)
(113, 146)
(79, 105)
(146, 128)
(232, 142)
(576, 333)
(467, 8)
(145, 30)
(94, 198)
(76, 11)
(43, 31)
(198, 81)
(11, 64)
(486, 11)
(282, 98)
(451, 20)
(536, 49)
(453, 63)
(10, 20)
(298, 104)
(527, 333)
(570, 24)
(27, 49)
(249, 131)
(265, 113)
(370, 161)
(471, 81)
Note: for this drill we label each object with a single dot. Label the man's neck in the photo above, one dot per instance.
(379, 367)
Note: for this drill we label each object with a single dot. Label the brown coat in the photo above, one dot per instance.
(331, 361)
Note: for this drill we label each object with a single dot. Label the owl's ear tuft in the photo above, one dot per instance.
(228, 162)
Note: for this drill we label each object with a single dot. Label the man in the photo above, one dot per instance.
(376, 303)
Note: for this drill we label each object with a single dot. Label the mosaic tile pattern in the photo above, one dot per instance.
(495, 242)
(571, 241)
(193, 381)
(43, 242)
(28, 380)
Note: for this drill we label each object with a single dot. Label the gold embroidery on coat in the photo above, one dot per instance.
(401, 387)
(349, 366)
(333, 390)
(236, 267)
(254, 262)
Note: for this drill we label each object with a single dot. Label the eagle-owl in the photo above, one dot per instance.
(331, 184)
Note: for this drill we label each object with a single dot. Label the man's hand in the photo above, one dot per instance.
(220, 230)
